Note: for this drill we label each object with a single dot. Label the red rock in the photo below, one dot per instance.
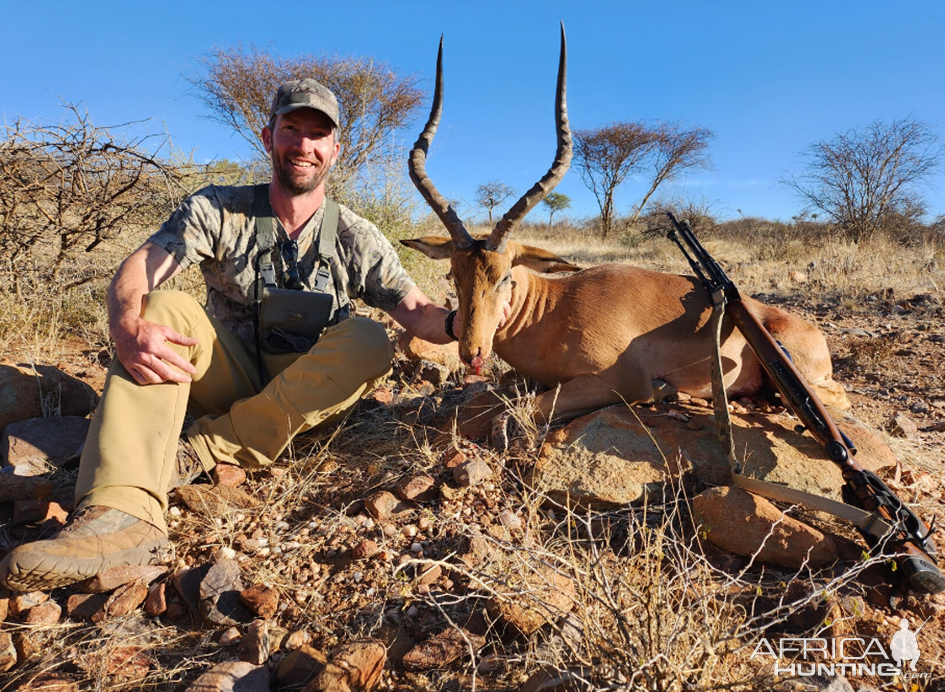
(122, 602)
(49, 682)
(156, 602)
(214, 500)
(905, 426)
(297, 669)
(417, 488)
(442, 649)
(47, 613)
(542, 596)
(38, 511)
(21, 602)
(262, 599)
(231, 676)
(111, 579)
(41, 445)
(383, 505)
(255, 646)
(84, 606)
(431, 575)
(13, 488)
(454, 458)
(383, 396)
(365, 549)
(228, 474)
(354, 667)
(472, 473)
(128, 662)
(739, 522)
(7, 652)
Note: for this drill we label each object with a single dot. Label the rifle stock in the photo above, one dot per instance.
(909, 539)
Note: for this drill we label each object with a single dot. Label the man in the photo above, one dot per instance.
(174, 356)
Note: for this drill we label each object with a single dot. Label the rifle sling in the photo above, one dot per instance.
(866, 521)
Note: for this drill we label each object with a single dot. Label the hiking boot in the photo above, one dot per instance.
(188, 465)
(95, 539)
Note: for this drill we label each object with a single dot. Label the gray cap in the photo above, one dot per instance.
(304, 93)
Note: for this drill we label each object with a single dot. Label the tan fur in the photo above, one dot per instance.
(604, 334)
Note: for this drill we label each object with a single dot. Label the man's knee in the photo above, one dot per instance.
(174, 309)
(361, 348)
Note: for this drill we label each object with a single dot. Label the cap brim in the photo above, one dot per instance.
(296, 106)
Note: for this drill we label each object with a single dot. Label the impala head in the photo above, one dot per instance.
(481, 267)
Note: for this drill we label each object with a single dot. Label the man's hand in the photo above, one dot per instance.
(142, 348)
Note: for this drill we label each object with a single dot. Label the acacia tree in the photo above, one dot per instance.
(492, 194)
(606, 156)
(238, 83)
(555, 201)
(863, 178)
(676, 149)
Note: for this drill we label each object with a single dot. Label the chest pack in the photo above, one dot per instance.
(290, 320)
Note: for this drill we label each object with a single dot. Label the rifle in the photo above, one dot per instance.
(903, 534)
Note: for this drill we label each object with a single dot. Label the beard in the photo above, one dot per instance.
(297, 183)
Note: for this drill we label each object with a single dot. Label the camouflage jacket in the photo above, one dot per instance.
(215, 229)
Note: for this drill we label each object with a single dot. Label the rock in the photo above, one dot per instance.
(905, 427)
(41, 445)
(797, 277)
(187, 583)
(434, 373)
(232, 676)
(4, 603)
(474, 418)
(454, 458)
(740, 522)
(297, 669)
(21, 602)
(262, 599)
(7, 652)
(354, 667)
(112, 578)
(538, 597)
(384, 505)
(610, 458)
(127, 662)
(214, 500)
(509, 519)
(554, 680)
(122, 602)
(13, 487)
(47, 613)
(365, 549)
(37, 512)
(417, 488)
(156, 602)
(84, 606)
(220, 595)
(430, 576)
(472, 473)
(230, 636)
(49, 682)
(256, 645)
(442, 649)
(416, 350)
(297, 640)
(228, 474)
(24, 393)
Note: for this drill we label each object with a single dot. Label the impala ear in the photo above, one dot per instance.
(541, 261)
(433, 246)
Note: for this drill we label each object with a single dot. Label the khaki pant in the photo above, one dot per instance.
(129, 456)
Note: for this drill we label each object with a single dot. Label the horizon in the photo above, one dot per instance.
(767, 81)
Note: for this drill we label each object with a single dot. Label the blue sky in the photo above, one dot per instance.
(767, 78)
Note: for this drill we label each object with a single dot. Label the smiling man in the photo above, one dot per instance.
(254, 244)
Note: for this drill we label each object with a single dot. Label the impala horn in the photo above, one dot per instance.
(418, 166)
(500, 234)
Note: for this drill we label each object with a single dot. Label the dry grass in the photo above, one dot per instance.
(653, 607)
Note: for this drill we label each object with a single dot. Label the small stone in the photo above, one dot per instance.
(424, 523)
(509, 519)
(7, 652)
(21, 602)
(354, 666)
(49, 682)
(298, 668)
(232, 676)
(431, 575)
(905, 427)
(37, 511)
(156, 602)
(224, 553)
(472, 473)
(230, 636)
(442, 649)
(123, 601)
(544, 596)
(383, 505)
(296, 640)
(84, 606)
(255, 646)
(214, 500)
(220, 590)
(112, 578)
(47, 613)
(454, 459)
(129, 662)
(228, 474)
(417, 488)
(364, 550)
(13, 488)
(262, 599)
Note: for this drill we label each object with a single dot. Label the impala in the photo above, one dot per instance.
(604, 334)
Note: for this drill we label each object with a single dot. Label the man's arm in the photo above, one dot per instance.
(423, 318)
(141, 345)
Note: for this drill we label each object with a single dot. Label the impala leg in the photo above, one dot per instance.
(585, 394)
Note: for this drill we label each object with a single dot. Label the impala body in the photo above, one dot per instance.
(603, 334)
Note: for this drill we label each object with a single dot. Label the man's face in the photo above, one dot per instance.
(303, 149)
